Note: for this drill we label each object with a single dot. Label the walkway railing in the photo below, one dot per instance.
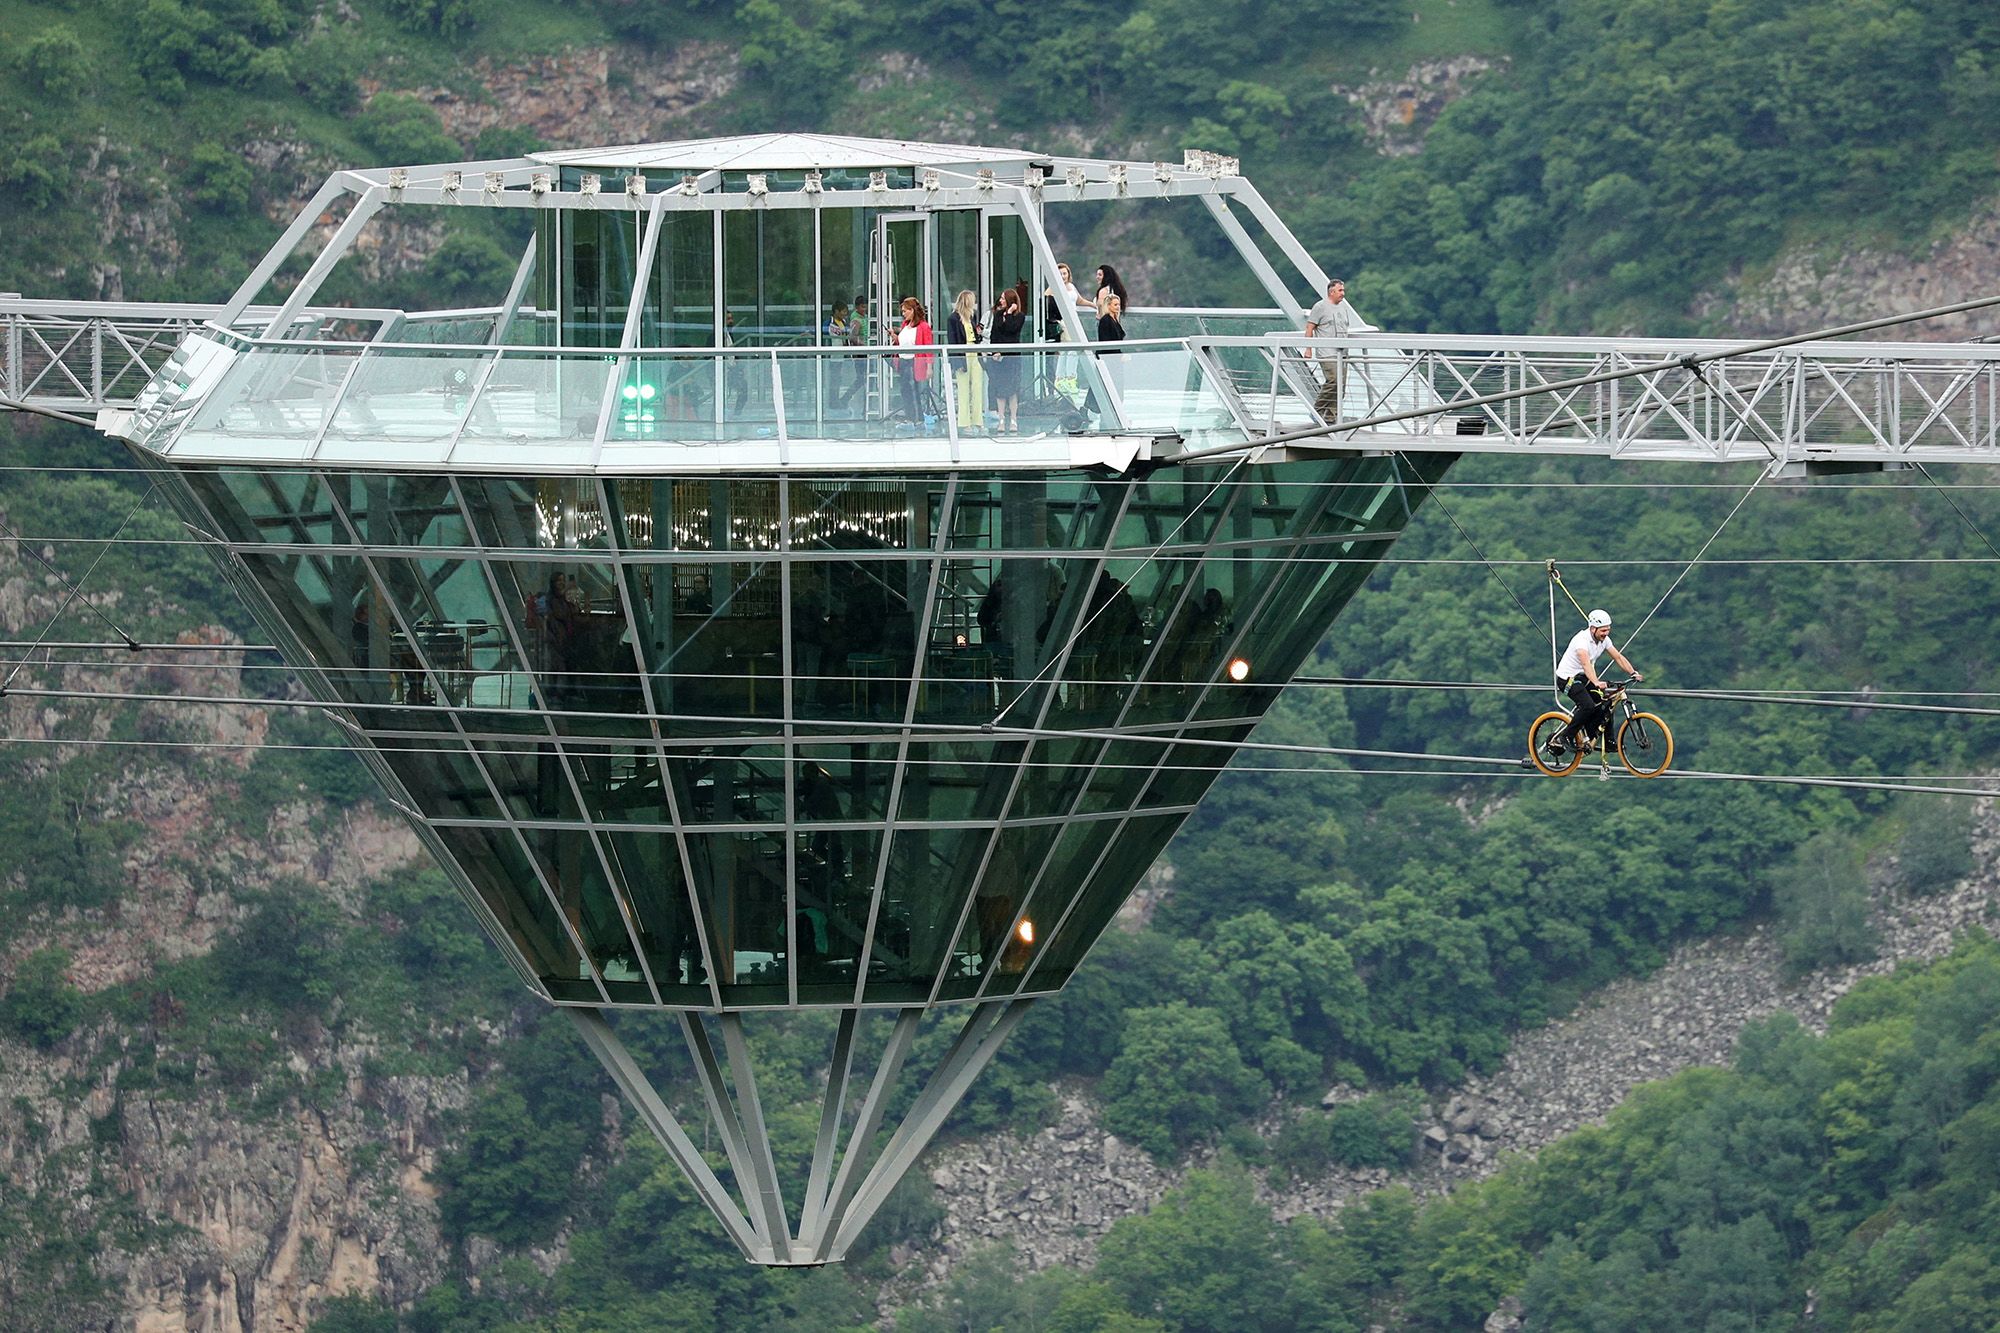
(361, 390)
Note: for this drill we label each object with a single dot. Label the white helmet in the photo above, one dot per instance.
(1600, 620)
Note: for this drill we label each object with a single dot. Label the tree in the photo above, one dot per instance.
(55, 62)
(1935, 850)
(1207, 1257)
(1178, 1079)
(1822, 902)
(41, 1007)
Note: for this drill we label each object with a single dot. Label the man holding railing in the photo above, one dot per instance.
(1331, 317)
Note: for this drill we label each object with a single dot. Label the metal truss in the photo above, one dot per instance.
(853, 1167)
(85, 356)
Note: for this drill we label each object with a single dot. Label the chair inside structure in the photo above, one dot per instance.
(722, 684)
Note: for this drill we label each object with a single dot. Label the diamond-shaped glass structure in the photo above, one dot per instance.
(726, 680)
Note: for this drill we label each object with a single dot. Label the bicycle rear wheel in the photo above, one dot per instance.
(1646, 744)
(1544, 729)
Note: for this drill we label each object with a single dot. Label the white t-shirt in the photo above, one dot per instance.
(1583, 648)
(907, 336)
(1331, 320)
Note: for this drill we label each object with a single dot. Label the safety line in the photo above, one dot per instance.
(1697, 560)
(1402, 462)
(1963, 516)
(74, 589)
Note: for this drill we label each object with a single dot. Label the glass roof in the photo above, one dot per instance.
(782, 152)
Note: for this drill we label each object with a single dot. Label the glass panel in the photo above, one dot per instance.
(1138, 845)
(843, 274)
(950, 780)
(569, 861)
(713, 640)
(740, 882)
(1016, 854)
(269, 505)
(340, 616)
(1013, 260)
(440, 776)
(620, 783)
(858, 617)
(741, 786)
(1056, 769)
(530, 778)
(1073, 861)
(836, 882)
(269, 402)
(924, 895)
(601, 259)
(578, 641)
(411, 509)
(844, 782)
(1165, 389)
(681, 311)
(537, 399)
(408, 397)
(767, 278)
(505, 879)
(656, 886)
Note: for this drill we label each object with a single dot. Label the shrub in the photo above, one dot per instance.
(41, 1007)
(218, 179)
(446, 18)
(1379, 1130)
(1178, 1079)
(1935, 851)
(404, 129)
(1822, 902)
(55, 62)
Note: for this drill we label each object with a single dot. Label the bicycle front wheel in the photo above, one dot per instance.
(1646, 744)
(1544, 729)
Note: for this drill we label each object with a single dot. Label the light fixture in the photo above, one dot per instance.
(690, 186)
(814, 183)
(635, 185)
(538, 184)
(985, 178)
(494, 182)
(1076, 177)
(932, 181)
(1163, 173)
(399, 178)
(589, 186)
(1239, 669)
(758, 184)
(1228, 166)
(1035, 178)
(1025, 932)
(453, 181)
(1194, 159)
(878, 180)
(1118, 177)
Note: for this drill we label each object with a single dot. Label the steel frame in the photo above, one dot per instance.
(852, 1172)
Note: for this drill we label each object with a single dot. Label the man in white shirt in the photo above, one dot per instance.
(1576, 676)
(1331, 317)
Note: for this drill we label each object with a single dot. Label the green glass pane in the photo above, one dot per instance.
(1012, 858)
(505, 879)
(923, 902)
(734, 786)
(649, 867)
(569, 861)
(953, 780)
(740, 885)
(1138, 845)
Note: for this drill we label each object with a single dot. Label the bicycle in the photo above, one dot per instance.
(1645, 742)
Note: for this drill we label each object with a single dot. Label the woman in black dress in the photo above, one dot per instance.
(1008, 319)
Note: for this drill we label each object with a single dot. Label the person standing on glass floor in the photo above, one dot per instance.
(1330, 317)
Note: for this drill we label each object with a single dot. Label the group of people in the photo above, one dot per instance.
(976, 376)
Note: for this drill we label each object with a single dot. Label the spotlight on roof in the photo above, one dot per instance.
(495, 182)
(1194, 159)
(453, 182)
(933, 182)
(1163, 173)
(878, 180)
(1075, 177)
(1228, 166)
(590, 185)
(399, 178)
(635, 184)
(1035, 178)
(814, 183)
(1239, 669)
(758, 183)
(1119, 177)
(690, 185)
(985, 178)
(538, 184)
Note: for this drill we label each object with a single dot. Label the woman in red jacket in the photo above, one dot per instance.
(914, 368)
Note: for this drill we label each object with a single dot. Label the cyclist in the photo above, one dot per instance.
(1576, 676)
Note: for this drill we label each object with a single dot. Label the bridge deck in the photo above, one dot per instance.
(394, 401)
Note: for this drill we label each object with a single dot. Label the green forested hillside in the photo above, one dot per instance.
(1382, 931)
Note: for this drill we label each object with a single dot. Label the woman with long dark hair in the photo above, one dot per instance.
(1009, 318)
(1109, 281)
